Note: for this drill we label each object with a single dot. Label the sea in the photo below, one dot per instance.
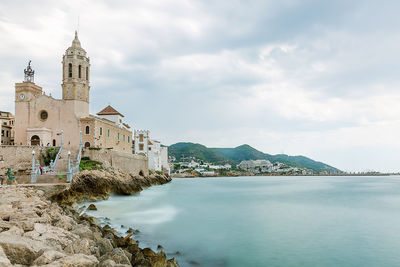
(265, 220)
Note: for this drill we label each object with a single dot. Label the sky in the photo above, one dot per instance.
(313, 78)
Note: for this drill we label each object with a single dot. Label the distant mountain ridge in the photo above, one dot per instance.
(244, 152)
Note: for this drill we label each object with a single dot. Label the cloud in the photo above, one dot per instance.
(303, 77)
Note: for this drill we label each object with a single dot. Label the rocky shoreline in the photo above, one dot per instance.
(44, 229)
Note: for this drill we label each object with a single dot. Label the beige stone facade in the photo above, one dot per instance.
(103, 133)
(40, 119)
(6, 128)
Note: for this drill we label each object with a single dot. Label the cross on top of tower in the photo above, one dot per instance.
(29, 73)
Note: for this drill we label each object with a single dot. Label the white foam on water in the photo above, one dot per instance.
(154, 216)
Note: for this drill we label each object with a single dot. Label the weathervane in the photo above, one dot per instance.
(29, 73)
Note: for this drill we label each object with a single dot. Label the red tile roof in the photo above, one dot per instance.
(109, 110)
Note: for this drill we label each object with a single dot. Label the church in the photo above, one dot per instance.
(41, 119)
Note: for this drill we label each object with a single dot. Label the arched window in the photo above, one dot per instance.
(80, 71)
(87, 129)
(70, 70)
(35, 140)
(87, 73)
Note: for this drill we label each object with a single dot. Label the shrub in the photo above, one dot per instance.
(159, 172)
(87, 164)
(150, 172)
(49, 155)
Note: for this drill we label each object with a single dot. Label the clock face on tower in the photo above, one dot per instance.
(22, 96)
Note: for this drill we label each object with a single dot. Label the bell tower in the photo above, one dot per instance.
(76, 69)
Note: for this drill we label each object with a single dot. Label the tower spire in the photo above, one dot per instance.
(76, 42)
(76, 69)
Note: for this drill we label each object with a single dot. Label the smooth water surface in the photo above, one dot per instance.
(267, 221)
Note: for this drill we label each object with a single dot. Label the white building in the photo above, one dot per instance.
(256, 166)
(156, 153)
(141, 142)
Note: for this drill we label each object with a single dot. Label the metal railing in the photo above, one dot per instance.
(75, 168)
(53, 164)
(35, 168)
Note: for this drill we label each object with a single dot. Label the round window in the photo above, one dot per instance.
(43, 115)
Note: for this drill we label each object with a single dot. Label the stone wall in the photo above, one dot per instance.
(18, 158)
(125, 162)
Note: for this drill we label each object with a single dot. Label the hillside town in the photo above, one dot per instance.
(254, 167)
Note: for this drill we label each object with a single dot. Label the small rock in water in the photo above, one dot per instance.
(192, 262)
(122, 226)
(130, 230)
(160, 247)
(176, 253)
(92, 207)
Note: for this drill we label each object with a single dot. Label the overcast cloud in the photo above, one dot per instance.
(316, 78)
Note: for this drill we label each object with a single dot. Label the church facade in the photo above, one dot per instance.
(40, 119)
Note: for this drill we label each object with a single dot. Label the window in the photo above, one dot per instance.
(108, 133)
(140, 146)
(87, 73)
(87, 144)
(80, 71)
(6, 133)
(87, 129)
(54, 142)
(128, 139)
(140, 137)
(123, 138)
(44, 115)
(118, 136)
(2, 132)
(101, 131)
(70, 70)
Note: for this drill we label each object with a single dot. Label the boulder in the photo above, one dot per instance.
(172, 263)
(117, 255)
(21, 250)
(156, 259)
(77, 260)
(104, 246)
(4, 261)
(111, 263)
(49, 256)
(92, 207)
(83, 231)
(65, 222)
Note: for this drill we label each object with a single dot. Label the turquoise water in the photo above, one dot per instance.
(267, 221)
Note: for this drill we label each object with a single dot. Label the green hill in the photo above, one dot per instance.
(244, 152)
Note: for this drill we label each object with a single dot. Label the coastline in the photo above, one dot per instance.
(43, 228)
